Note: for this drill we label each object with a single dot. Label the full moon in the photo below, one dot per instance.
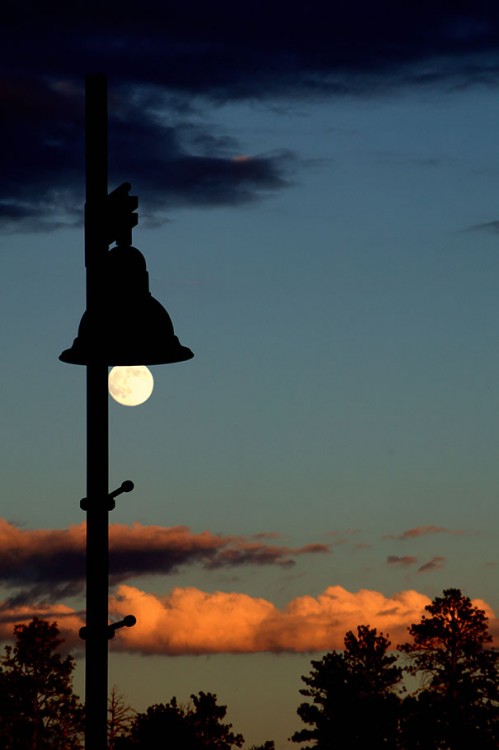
(131, 385)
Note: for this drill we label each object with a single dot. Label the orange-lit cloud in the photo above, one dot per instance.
(50, 563)
(191, 621)
(69, 621)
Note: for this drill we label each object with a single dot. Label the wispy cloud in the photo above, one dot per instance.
(404, 560)
(491, 227)
(436, 563)
(418, 531)
(343, 537)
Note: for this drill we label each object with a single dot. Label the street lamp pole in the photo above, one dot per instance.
(117, 279)
(97, 504)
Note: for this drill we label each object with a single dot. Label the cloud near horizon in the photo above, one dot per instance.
(188, 621)
(49, 564)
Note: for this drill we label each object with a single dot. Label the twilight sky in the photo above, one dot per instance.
(319, 211)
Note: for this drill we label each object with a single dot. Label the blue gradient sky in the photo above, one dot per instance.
(345, 383)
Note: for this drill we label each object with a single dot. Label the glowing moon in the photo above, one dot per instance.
(131, 385)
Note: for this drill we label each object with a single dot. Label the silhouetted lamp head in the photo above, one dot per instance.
(129, 326)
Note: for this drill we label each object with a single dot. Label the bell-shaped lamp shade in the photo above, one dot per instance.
(130, 326)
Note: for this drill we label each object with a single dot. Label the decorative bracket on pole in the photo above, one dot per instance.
(127, 622)
(126, 486)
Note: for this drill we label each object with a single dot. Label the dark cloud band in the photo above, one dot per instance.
(168, 58)
(49, 564)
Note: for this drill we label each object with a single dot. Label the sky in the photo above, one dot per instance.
(319, 211)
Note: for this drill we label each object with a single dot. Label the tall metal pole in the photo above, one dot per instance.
(97, 501)
(108, 219)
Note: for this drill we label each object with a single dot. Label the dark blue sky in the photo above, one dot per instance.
(318, 200)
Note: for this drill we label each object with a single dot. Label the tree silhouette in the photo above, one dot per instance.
(457, 707)
(38, 709)
(354, 699)
(170, 726)
(120, 717)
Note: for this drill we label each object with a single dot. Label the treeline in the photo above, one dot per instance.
(356, 698)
